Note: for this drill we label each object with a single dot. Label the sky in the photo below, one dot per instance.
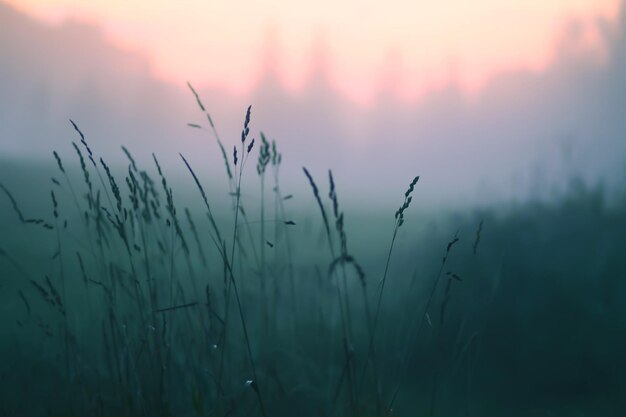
(494, 103)
(425, 44)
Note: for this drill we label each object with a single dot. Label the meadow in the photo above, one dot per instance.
(129, 292)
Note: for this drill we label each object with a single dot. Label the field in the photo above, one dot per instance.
(127, 291)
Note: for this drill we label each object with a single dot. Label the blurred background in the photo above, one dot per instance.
(512, 112)
(487, 101)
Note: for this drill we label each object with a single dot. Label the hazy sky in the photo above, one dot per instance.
(550, 109)
(221, 42)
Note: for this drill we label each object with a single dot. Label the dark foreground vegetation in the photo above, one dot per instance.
(121, 301)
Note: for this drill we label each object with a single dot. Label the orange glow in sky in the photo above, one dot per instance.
(417, 44)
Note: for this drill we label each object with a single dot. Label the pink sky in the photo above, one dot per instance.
(420, 44)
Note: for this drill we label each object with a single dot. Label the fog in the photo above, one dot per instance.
(524, 135)
(505, 287)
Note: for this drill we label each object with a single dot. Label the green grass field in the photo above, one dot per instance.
(125, 293)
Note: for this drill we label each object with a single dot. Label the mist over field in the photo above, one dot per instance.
(526, 133)
(197, 250)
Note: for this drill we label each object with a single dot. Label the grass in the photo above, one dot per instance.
(121, 300)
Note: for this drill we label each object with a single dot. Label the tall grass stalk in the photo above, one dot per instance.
(348, 368)
(421, 321)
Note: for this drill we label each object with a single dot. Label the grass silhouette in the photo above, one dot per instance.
(140, 311)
